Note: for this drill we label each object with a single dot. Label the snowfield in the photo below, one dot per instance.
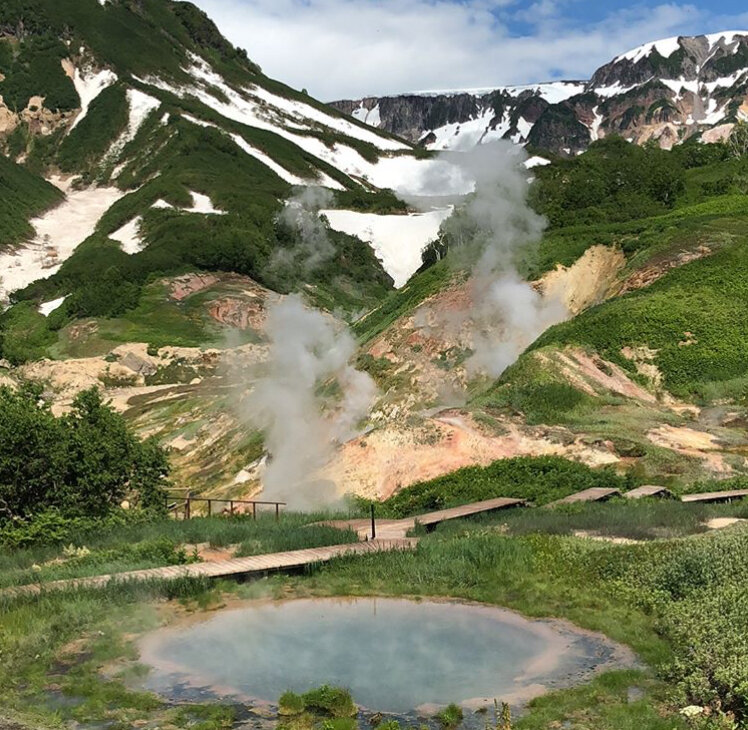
(397, 240)
(258, 108)
(58, 233)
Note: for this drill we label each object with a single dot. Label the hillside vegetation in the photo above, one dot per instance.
(24, 196)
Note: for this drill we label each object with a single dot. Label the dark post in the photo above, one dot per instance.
(210, 508)
(231, 503)
(277, 512)
(187, 507)
(373, 525)
(254, 510)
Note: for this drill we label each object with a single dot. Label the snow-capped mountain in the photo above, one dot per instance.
(668, 90)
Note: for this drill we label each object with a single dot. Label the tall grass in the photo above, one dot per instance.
(165, 542)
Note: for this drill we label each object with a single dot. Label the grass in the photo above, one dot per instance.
(691, 317)
(647, 519)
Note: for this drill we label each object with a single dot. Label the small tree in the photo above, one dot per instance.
(738, 141)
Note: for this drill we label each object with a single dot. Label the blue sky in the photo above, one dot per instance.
(352, 48)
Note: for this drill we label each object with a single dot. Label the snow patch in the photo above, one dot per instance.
(89, 85)
(200, 204)
(129, 236)
(397, 240)
(203, 204)
(256, 99)
(554, 92)
(665, 47)
(48, 307)
(371, 117)
(324, 180)
(140, 106)
(58, 233)
(403, 173)
(464, 135)
(596, 123)
(536, 162)
(614, 90)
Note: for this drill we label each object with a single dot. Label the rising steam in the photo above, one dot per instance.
(494, 230)
(312, 246)
(309, 356)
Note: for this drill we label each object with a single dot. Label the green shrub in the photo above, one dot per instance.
(331, 700)
(537, 479)
(451, 716)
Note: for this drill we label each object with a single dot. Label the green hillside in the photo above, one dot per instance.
(23, 196)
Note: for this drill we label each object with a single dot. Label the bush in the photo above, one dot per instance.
(450, 717)
(538, 479)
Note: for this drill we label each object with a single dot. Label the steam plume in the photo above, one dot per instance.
(313, 246)
(308, 352)
(494, 229)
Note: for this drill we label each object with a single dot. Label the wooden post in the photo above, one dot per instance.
(277, 512)
(210, 508)
(231, 507)
(254, 510)
(373, 524)
(187, 514)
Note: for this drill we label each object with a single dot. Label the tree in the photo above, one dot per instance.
(84, 463)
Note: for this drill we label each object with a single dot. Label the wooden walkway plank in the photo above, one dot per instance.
(649, 490)
(594, 494)
(713, 497)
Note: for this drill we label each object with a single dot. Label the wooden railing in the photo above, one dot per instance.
(181, 506)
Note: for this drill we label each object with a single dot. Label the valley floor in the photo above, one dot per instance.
(661, 582)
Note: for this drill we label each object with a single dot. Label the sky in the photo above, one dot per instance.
(348, 49)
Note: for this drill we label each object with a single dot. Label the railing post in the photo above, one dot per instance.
(231, 507)
(277, 512)
(187, 509)
(373, 524)
(254, 510)
(210, 508)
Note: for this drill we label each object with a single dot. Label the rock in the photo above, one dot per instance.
(138, 364)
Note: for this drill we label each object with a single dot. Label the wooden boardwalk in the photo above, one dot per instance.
(396, 529)
(254, 565)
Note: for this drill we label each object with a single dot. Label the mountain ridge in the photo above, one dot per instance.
(667, 90)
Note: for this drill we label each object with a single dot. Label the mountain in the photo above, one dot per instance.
(667, 91)
(173, 150)
(159, 195)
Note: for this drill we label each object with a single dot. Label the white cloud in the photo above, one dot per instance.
(352, 48)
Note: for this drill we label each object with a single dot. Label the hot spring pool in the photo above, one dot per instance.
(394, 655)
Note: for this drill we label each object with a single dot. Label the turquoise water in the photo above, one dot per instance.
(394, 655)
